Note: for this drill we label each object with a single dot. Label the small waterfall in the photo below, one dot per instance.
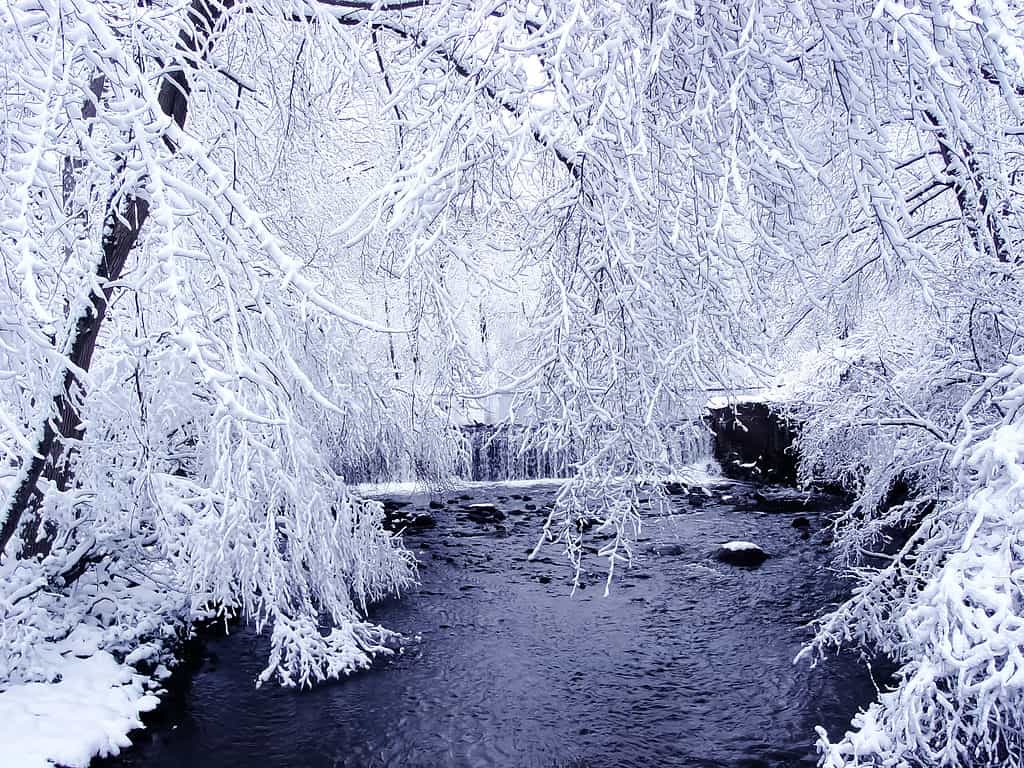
(495, 454)
(507, 453)
(686, 445)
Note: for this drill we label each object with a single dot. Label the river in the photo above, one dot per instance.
(688, 661)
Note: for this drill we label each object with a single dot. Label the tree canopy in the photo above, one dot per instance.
(257, 251)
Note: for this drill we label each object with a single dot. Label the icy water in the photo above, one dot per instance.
(688, 662)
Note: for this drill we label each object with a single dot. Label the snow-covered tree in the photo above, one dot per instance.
(255, 248)
(911, 386)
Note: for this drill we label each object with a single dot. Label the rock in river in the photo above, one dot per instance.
(668, 549)
(398, 518)
(786, 500)
(484, 513)
(743, 553)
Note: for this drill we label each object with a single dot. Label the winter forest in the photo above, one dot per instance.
(263, 258)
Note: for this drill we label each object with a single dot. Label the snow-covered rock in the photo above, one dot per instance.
(744, 553)
(484, 513)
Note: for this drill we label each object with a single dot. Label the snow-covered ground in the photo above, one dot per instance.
(87, 710)
(81, 662)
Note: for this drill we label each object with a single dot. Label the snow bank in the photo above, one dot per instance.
(948, 607)
(417, 487)
(701, 473)
(87, 711)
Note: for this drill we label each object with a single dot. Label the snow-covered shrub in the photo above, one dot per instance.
(950, 608)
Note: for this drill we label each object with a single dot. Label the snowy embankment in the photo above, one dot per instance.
(960, 632)
(82, 659)
(87, 708)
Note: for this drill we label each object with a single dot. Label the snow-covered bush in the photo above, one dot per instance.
(949, 608)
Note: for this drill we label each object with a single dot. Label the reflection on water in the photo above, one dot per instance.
(687, 663)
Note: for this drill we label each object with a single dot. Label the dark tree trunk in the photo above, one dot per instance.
(983, 221)
(63, 423)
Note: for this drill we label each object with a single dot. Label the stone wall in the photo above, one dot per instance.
(754, 442)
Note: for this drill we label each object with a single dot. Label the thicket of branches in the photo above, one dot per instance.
(252, 248)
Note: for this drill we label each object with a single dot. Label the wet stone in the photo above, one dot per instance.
(773, 500)
(391, 506)
(667, 549)
(398, 518)
(697, 497)
(742, 554)
(484, 513)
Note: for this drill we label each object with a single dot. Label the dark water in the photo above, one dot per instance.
(687, 663)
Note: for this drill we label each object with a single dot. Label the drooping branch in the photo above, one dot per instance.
(60, 423)
(359, 14)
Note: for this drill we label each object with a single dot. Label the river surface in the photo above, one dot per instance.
(688, 661)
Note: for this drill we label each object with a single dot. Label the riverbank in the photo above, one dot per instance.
(87, 707)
